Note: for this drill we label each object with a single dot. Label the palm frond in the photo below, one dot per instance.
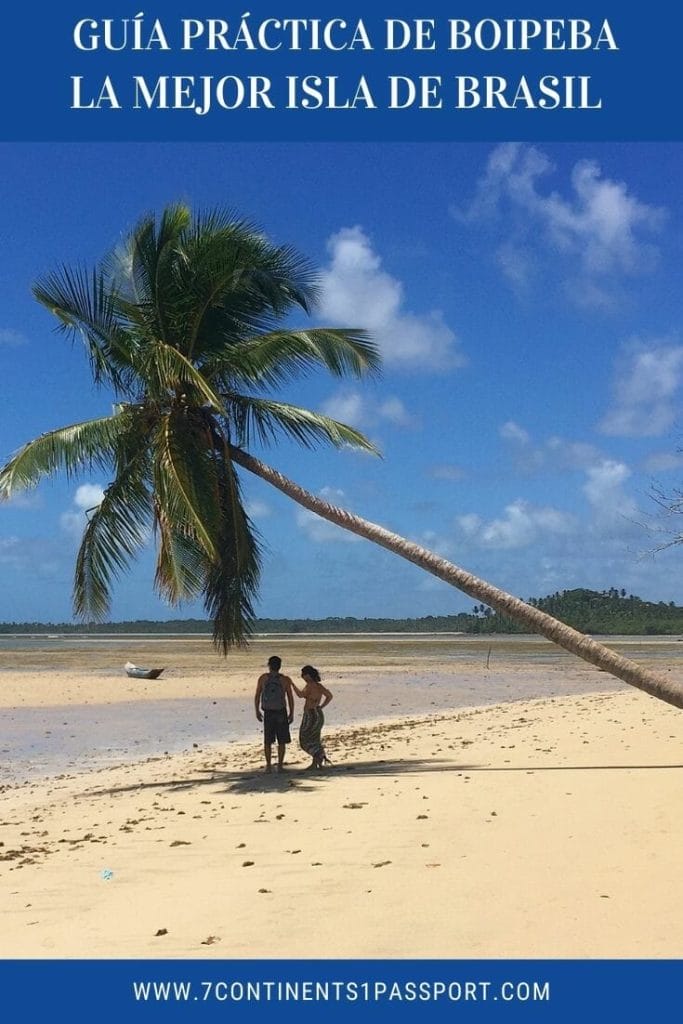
(136, 267)
(181, 568)
(185, 487)
(233, 577)
(115, 532)
(273, 358)
(264, 420)
(85, 306)
(166, 370)
(71, 450)
(236, 283)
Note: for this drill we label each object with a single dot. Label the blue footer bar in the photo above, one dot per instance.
(329, 990)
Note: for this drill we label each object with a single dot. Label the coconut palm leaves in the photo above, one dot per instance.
(185, 324)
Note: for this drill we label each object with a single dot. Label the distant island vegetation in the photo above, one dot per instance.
(606, 612)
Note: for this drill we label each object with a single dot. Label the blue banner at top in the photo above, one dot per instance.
(297, 70)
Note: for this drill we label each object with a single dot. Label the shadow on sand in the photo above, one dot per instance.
(303, 780)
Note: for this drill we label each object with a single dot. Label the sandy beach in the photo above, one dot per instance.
(515, 805)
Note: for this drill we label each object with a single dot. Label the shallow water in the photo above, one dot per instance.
(48, 741)
(41, 742)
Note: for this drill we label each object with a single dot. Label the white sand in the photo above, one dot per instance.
(545, 828)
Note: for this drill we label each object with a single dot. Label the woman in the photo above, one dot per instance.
(316, 697)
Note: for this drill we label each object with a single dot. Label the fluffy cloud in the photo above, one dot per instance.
(512, 431)
(257, 509)
(611, 507)
(359, 411)
(347, 407)
(357, 291)
(647, 381)
(394, 411)
(320, 530)
(604, 488)
(591, 237)
(556, 453)
(87, 497)
(520, 525)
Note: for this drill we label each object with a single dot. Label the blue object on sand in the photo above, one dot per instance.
(106, 874)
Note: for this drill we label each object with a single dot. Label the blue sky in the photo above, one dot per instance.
(527, 302)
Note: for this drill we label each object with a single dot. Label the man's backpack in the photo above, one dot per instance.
(273, 694)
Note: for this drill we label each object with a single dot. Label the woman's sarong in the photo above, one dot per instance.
(312, 723)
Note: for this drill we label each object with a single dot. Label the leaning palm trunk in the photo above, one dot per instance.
(534, 619)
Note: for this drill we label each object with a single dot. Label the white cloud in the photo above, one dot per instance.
(321, 531)
(647, 381)
(470, 524)
(611, 507)
(512, 431)
(87, 497)
(348, 407)
(361, 412)
(571, 454)
(555, 453)
(516, 264)
(12, 338)
(394, 411)
(257, 509)
(590, 237)
(604, 488)
(521, 524)
(356, 291)
(612, 511)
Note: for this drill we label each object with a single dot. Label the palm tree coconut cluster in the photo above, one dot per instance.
(184, 325)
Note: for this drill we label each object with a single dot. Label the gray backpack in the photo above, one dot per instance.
(273, 694)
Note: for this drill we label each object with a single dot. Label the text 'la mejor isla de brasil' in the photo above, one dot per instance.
(201, 93)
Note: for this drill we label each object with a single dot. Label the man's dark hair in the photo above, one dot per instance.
(275, 663)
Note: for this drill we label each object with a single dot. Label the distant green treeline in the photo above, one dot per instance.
(604, 612)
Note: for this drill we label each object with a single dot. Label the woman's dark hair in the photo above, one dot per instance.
(313, 673)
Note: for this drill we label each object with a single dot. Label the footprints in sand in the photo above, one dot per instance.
(304, 849)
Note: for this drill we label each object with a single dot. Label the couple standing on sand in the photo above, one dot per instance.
(274, 705)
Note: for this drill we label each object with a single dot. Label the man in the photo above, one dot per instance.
(272, 690)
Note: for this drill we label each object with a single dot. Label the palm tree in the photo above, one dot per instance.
(184, 324)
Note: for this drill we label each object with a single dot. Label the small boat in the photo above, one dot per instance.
(135, 672)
